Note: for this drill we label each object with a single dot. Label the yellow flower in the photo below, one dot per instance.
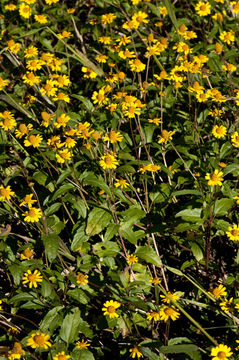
(110, 307)
(65, 34)
(109, 161)
(6, 193)
(215, 178)
(35, 64)
(235, 139)
(49, 88)
(63, 156)
(23, 130)
(28, 200)
(108, 18)
(61, 80)
(106, 40)
(31, 79)
(203, 9)
(32, 215)
(81, 279)
(61, 97)
(27, 254)
(155, 281)
(50, 2)
(165, 136)
(41, 19)
(61, 121)
(82, 344)
(136, 65)
(99, 97)
(30, 52)
(218, 292)
(32, 278)
(227, 36)
(227, 305)
(233, 233)
(236, 197)
(25, 10)
(101, 58)
(122, 183)
(221, 352)
(55, 142)
(33, 140)
(13, 47)
(3, 83)
(163, 11)
(235, 6)
(167, 312)
(132, 259)
(155, 121)
(8, 122)
(165, 299)
(219, 131)
(70, 143)
(140, 17)
(113, 137)
(16, 351)
(10, 7)
(153, 315)
(46, 118)
(135, 352)
(61, 356)
(39, 340)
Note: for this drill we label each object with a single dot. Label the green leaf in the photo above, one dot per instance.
(190, 214)
(112, 229)
(176, 349)
(62, 190)
(79, 295)
(52, 209)
(51, 244)
(17, 272)
(50, 318)
(82, 354)
(186, 192)
(197, 251)
(98, 219)
(173, 270)
(222, 206)
(88, 104)
(149, 353)
(149, 255)
(69, 329)
(232, 168)
(79, 238)
(79, 205)
(64, 175)
(92, 180)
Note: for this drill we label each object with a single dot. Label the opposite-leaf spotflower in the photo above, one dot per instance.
(32, 278)
(39, 340)
(215, 178)
(221, 352)
(110, 307)
(233, 233)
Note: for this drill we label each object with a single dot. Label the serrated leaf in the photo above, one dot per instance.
(98, 219)
(51, 244)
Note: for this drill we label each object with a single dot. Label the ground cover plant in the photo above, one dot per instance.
(119, 171)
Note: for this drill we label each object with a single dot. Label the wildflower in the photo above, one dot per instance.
(140, 17)
(113, 137)
(31, 79)
(218, 292)
(61, 356)
(108, 18)
(6, 193)
(82, 344)
(165, 299)
(39, 340)
(50, 2)
(16, 351)
(41, 19)
(219, 131)
(163, 11)
(227, 305)
(235, 139)
(71, 11)
(55, 64)
(202, 97)
(235, 6)
(0, 304)
(32, 278)
(99, 97)
(70, 143)
(3, 83)
(25, 10)
(27, 254)
(221, 352)
(109, 161)
(155, 121)
(227, 36)
(229, 67)
(196, 88)
(203, 9)
(33, 140)
(132, 259)
(222, 164)
(106, 40)
(35, 64)
(126, 54)
(165, 136)
(149, 167)
(218, 48)
(63, 156)
(136, 65)
(10, 7)
(13, 47)
(61, 80)
(236, 197)
(155, 281)
(135, 352)
(123, 40)
(8, 122)
(55, 142)
(46, 118)
(65, 34)
(32, 215)
(101, 58)
(61, 97)
(30, 52)
(130, 110)
(215, 178)
(81, 279)
(23, 130)
(61, 121)
(122, 183)
(233, 233)
(110, 308)
(153, 315)
(167, 312)
(49, 88)
(28, 201)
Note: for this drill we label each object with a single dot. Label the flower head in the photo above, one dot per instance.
(165, 299)
(221, 352)
(153, 315)
(6, 193)
(32, 215)
(32, 278)
(109, 161)
(16, 351)
(122, 183)
(132, 259)
(219, 131)
(227, 305)
(27, 254)
(165, 136)
(168, 312)
(203, 8)
(215, 178)
(61, 356)
(235, 139)
(218, 292)
(110, 308)
(81, 279)
(39, 340)
(233, 233)
(135, 352)
(83, 344)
